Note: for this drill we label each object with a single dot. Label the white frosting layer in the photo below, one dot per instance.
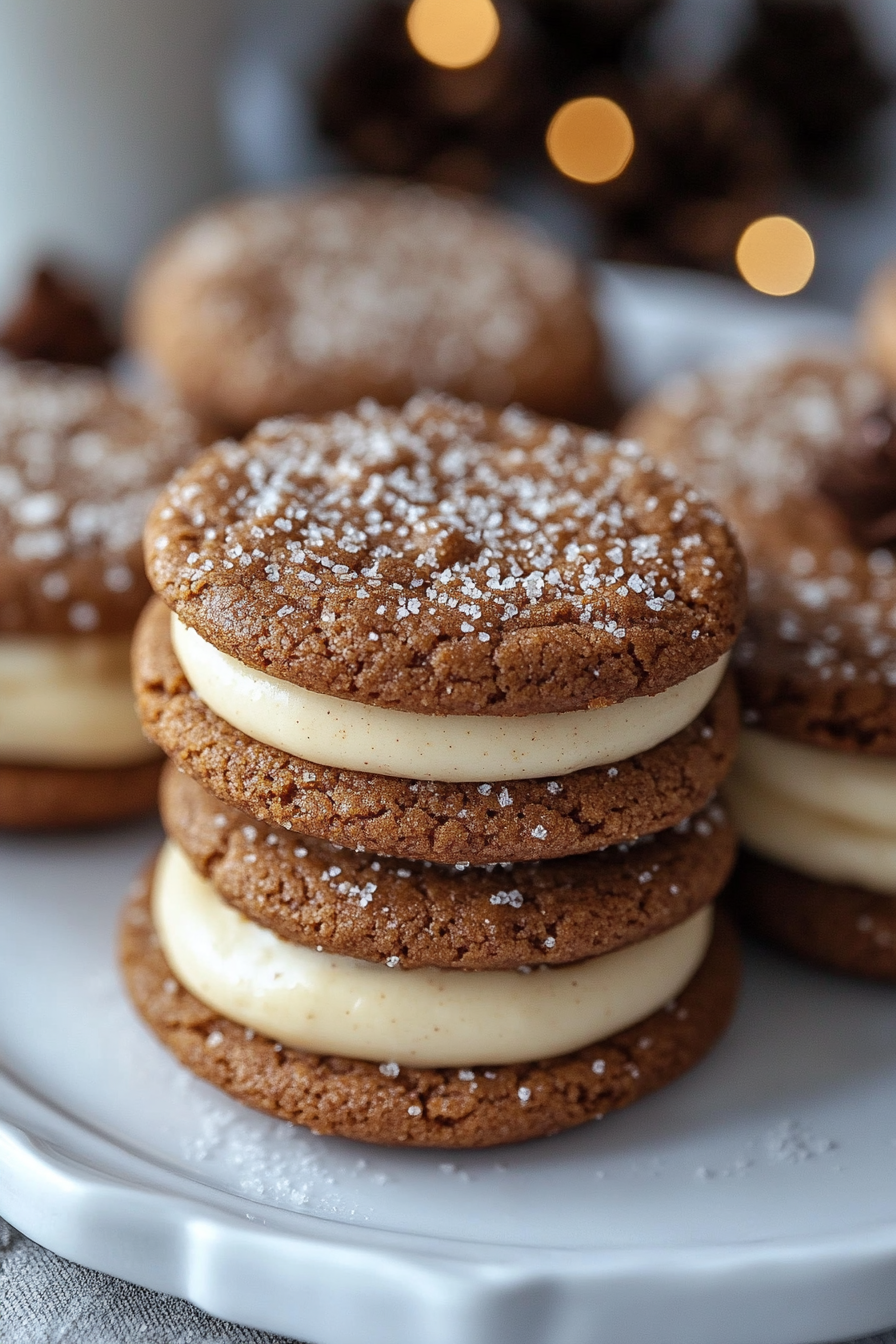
(352, 736)
(427, 1017)
(67, 701)
(824, 813)
(851, 787)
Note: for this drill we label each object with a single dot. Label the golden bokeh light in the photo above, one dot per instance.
(775, 255)
(590, 139)
(453, 33)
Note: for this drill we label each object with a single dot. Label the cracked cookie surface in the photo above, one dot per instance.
(453, 559)
(494, 918)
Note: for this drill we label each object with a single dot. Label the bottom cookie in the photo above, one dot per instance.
(429, 1108)
(43, 798)
(832, 924)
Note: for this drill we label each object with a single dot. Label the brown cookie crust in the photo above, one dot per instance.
(47, 798)
(429, 1108)
(831, 924)
(478, 919)
(80, 463)
(448, 558)
(517, 822)
(272, 305)
(817, 658)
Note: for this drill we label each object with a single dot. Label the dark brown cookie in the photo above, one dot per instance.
(817, 659)
(45, 798)
(829, 923)
(80, 464)
(494, 918)
(449, 558)
(429, 1108)
(305, 302)
(516, 822)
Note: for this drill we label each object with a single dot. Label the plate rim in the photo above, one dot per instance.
(432, 1289)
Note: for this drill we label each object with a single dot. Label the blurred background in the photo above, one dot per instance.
(640, 131)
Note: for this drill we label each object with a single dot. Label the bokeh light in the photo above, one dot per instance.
(590, 139)
(453, 33)
(775, 255)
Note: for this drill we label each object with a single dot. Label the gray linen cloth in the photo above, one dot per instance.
(47, 1300)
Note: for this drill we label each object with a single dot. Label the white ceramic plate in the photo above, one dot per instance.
(753, 1202)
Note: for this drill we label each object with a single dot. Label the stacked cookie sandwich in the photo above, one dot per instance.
(80, 463)
(800, 454)
(445, 698)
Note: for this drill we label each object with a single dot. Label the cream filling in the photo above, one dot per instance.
(824, 813)
(348, 735)
(426, 1017)
(67, 701)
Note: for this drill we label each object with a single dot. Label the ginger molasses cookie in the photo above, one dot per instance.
(455, 822)
(451, 562)
(40, 798)
(421, 914)
(272, 305)
(379, 619)
(80, 463)
(817, 660)
(477, 1104)
(802, 456)
(835, 924)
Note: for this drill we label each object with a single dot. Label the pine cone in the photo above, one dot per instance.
(805, 61)
(58, 321)
(705, 165)
(393, 112)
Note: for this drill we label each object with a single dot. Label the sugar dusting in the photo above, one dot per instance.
(80, 465)
(402, 281)
(440, 511)
(756, 438)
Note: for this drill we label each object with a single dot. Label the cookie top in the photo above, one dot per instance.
(501, 822)
(80, 464)
(421, 914)
(275, 304)
(448, 558)
(817, 661)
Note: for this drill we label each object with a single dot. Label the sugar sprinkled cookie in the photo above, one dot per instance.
(80, 463)
(800, 454)
(449, 558)
(272, 305)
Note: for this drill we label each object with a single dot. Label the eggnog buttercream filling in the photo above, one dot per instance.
(67, 701)
(426, 1017)
(828, 814)
(348, 735)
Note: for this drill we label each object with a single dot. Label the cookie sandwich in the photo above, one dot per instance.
(446, 694)
(305, 302)
(801, 455)
(80, 464)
